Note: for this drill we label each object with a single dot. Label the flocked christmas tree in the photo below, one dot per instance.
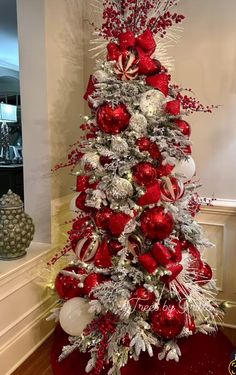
(138, 279)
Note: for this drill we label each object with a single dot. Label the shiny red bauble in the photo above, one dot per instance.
(203, 274)
(152, 195)
(164, 170)
(141, 299)
(118, 222)
(103, 257)
(68, 286)
(169, 320)
(93, 280)
(144, 173)
(156, 224)
(172, 189)
(102, 217)
(113, 120)
(183, 126)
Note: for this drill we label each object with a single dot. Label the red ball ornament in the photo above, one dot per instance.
(172, 189)
(80, 223)
(169, 320)
(68, 286)
(102, 217)
(114, 247)
(143, 144)
(156, 224)
(151, 196)
(183, 126)
(141, 299)
(144, 173)
(93, 280)
(113, 120)
(154, 151)
(203, 274)
(118, 222)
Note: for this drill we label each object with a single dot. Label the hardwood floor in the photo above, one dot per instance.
(39, 362)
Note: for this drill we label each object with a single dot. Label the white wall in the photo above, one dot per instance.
(206, 61)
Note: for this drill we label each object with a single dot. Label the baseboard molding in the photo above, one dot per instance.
(21, 346)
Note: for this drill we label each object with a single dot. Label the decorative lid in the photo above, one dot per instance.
(10, 201)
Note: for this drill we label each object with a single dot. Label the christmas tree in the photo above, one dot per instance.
(138, 279)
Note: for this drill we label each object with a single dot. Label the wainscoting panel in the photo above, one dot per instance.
(219, 224)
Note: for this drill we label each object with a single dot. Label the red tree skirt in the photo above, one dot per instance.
(201, 355)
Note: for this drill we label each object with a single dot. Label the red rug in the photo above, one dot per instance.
(201, 355)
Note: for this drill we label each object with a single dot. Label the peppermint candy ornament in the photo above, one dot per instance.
(126, 68)
(86, 249)
(172, 189)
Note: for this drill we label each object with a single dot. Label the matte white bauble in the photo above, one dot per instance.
(152, 102)
(185, 169)
(75, 316)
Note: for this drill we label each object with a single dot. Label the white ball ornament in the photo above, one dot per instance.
(138, 123)
(185, 169)
(152, 102)
(75, 316)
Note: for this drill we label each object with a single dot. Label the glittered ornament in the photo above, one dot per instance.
(152, 103)
(102, 217)
(183, 126)
(113, 120)
(148, 262)
(118, 222)
(160, 82)
(143, 144)
(126, 67)
(144, 173)
(138, 123)
(156, 224)
(173, 107)
(67, 286)
(103, 257)
(172, 189)
(151, 195)
(169, 320)
(93, 280)
(120, 188)
(86, 248)
(203, 274)
(141, 299)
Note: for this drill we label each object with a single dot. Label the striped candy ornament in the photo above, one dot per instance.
(172, 189)
(86, 249)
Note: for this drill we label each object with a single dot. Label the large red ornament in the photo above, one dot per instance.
(160, 82)
(102, 217)
(144, 173)
(145, 144)
(93, 280)
(172, 189)
(118, 222)
(113, 120)
(203, 274)
(68, 286)
(156, 224)
(169, 320)
(183, 126)
(151, 196)
(141, 299)
(148, 262)
(103, 257)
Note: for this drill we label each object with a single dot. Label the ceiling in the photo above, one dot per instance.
(9, 57)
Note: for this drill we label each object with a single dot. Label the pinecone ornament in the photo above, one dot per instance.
(16, 227)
